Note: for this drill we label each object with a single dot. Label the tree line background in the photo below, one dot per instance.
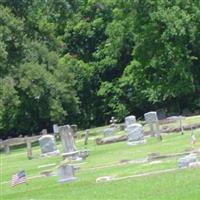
(83, 61)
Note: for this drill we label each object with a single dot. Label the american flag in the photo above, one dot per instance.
(18, 178)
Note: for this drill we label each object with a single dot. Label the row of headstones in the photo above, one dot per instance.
(48, 147)
(48, 144)
(135, 130)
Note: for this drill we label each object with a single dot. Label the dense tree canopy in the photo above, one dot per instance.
(82, 61)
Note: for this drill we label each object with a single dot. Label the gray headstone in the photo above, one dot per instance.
(130, 120)
(66, 174)
(48, 145)
(152, 119)
(67, 139)
(109, 132)
(187, 160)
(44, 132)
(135, 134)
(161, 113)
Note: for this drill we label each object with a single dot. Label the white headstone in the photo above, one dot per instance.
(135, 134)
(130, 120)
(48, 145)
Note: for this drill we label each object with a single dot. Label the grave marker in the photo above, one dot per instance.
(152, 120)
(130, 120)
(66, 173)
(48, 145)
(135, 134)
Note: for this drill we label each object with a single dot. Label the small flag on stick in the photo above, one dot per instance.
(18, 178)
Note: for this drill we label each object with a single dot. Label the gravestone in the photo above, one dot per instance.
(187, 160)
(135, 134)
(152, 120)
(48, 145)
(44, 132)
(66, 174)
(67, 139)
(108, 132)
(161, 113)
(69, 148)
(130, 120)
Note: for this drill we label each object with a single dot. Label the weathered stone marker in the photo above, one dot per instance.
(130, 120)
(48, 145)
(135, 134)
(152, 120)
(66, 174)
(67, 139)
(69, 148)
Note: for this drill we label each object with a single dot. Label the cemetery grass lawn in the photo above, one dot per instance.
(179, 185)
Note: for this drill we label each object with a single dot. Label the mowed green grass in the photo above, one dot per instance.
(104, 161)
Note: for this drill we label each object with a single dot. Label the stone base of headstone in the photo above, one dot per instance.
(72, 156)
(76, 155)
(67, 180)
(132, 143)
(54, 153)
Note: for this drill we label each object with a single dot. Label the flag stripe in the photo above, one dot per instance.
(18, 178)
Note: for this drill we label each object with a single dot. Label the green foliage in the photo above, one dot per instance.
(84, 61)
